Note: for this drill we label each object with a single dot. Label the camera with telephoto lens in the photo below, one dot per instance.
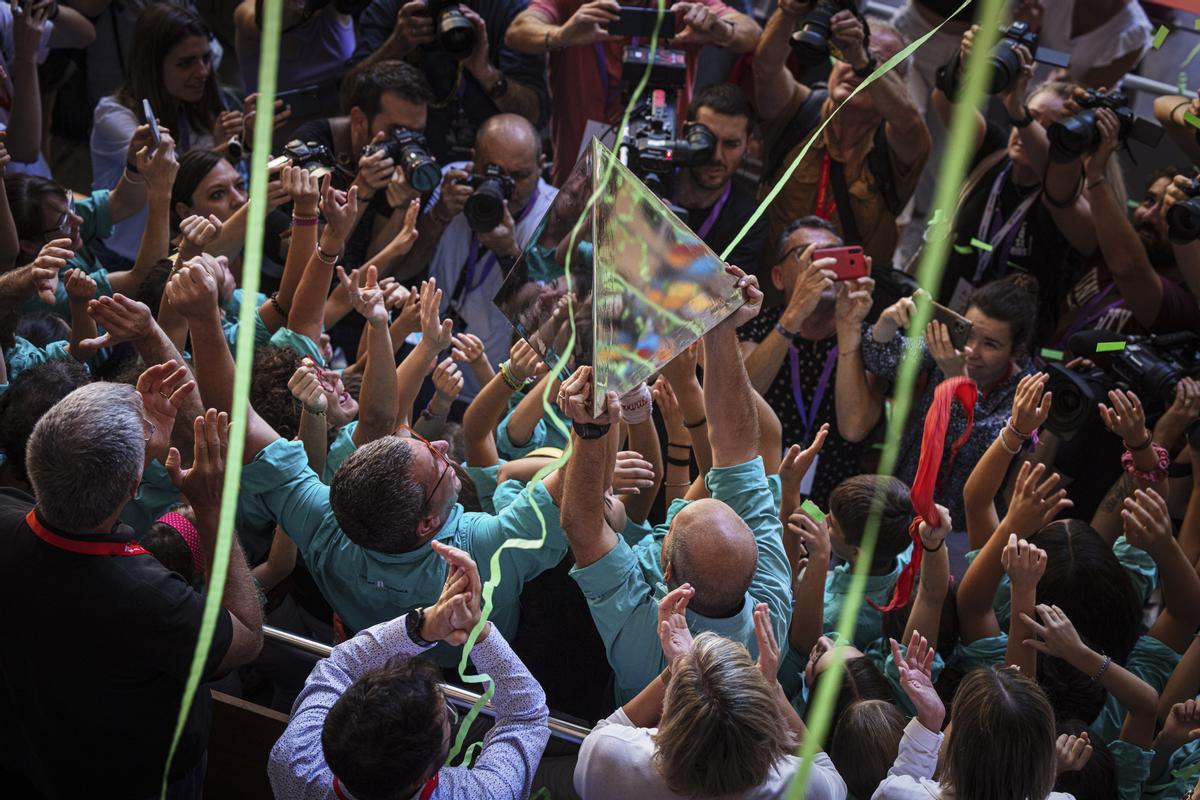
(312, 156)
(454, 32)
(485, 207)
(810, 42)
(652, 146)
(1149, 366)
(1006, 64)
(410, 151)
(1078, 135)
(1183, 218)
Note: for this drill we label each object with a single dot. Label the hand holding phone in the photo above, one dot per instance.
(850, 262)
(152, 121)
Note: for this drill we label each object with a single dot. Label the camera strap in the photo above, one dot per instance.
(837, 176)
(1001, 241)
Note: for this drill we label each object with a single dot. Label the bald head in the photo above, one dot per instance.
(511, 143)
(713, 549)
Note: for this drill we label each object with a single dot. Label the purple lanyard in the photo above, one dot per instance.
(808, 418)
(490, 261)
(716, 212)
(1002, 240)
(1087, 315)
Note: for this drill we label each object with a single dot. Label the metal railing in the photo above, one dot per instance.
(560, 729)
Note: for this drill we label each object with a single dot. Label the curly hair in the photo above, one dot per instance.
(269, 393)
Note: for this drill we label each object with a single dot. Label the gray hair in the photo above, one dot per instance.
(811, 221)
(86, 454)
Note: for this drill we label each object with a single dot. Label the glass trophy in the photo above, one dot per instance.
(631, 281)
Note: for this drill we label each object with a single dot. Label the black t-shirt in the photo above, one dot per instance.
(93, 660)
(1038, 247)
(733, 216)
(839, 458)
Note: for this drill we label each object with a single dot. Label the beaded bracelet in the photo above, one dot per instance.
(304, 222)
(1010, 450)
(1150, 476)
(1103, 669)
(508, 378)
(328, 258)
(1017, 433)
(274, 300)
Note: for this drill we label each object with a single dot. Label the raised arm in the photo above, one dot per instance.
(774, 86)
(729, 403)
(305, 386)
(378, 397)
(10, 245)
(1148, 526)
(934, 583)
(1169, 110)
(796, 463)
(1025, 564)
(680, 373)
(809, 555)
(487, 409)
(435, 337)
(25, 128)
(858, 396)
(80, 290)
(305, 191)
(158, 170)
(588, 470)
(637, 410)
(535, 33)
(308, 304)
(946, 89)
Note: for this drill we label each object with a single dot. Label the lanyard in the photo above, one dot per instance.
(703, 230)
(808, 418)
(1002, 240)
(825, 210)
(427, 789)
(1089, 314)
(490, 262)
(130, 548)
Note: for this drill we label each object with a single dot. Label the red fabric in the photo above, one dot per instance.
(933, 442)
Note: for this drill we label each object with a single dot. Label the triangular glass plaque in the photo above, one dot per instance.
(644, 286)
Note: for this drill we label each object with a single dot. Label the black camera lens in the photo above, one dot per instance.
(1006, 66)
(1072, 137)
(811, 42)
(701, 144)
(484, 208)
(420, 169)
(455, 33)
(1183, 221)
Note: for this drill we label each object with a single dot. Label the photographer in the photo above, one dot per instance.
(491, 79)
(717, 209)
(865, 166)
(585, 61)
(1135, 285)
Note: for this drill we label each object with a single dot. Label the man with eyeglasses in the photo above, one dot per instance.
(793, 352)
(372, 721)
(366, 537)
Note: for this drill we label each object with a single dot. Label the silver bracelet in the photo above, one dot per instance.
(1103, 669)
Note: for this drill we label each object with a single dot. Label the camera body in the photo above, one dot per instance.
(1006, 64)
(410, 150)
(810, 42)
(312, 156)
(454, 32)
(1183, 218)
(1150, 366)
(485, 207)
(1078, 135)
(652, 146)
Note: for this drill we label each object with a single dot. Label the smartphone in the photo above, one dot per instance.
(851, 263)
(634, 21)
(304, 102)
(152, 121)
(958, 325)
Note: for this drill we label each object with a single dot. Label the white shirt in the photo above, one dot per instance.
(617, 761)
(911, 777)
(476, 307)
(1126, 31)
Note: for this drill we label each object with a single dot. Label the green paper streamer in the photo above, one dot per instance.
(1052, 355)
(810, 508)
(1191, 119)
(1132, 203)
(962, 250)
(981, 245)
(953, 171)
(268, 70)
(1160, 36)
(1110, 347)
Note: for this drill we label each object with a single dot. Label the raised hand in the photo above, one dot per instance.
(769, 654)
(1072, 752)
(197, 232)
(916, 679)
(1126, 418)
(1182, 724)
(192, 289)
(894, 318)
(575, 400)
(122, 318)
(1108, 126)
(1024, 562)
(1147, 520)
(414, 27)
(1031, 403)
(202, 484)
(587, 24)
(466, 347)
(47, 266)
(682, 368)
(303, 188)
(366, 300)
(1056, 632)
(814, 278)
(448, 383)
(950, 360)
(814, 539)
(164, 388)
(1034, 502)
(750, 292)
(340, 210)
(932, 536)
(673, 633)
(847, 33)
(668, 405)
(80, 286)
(250, 115)
(698, 24)
(798, 460)
(854, 301)
(437, 331)
(159, 167)
(457, 610)
(403, 241)
(524, 363)
(632, 474)
(305, 386)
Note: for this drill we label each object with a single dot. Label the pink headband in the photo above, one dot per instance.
(188, 531)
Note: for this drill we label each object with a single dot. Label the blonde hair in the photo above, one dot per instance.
(1001, 746)
(721, 730)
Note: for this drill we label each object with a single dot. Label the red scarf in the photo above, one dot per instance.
(932, 444)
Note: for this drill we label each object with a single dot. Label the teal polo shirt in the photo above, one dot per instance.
(869, 625)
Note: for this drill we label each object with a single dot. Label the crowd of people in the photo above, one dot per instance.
(1010, 612)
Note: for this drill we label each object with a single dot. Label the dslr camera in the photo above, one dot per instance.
(1076, 136)
(1183, 218)
(1006, 64)
(312, 156)
(1150, 366)
(810, 42)
(455, 33)
(410, 150)
(485, 207)
(652, 146)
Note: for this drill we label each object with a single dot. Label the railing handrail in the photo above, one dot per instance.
(560, 729)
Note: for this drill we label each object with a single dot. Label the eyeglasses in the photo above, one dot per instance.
(64, 222)
(795, 253)
(438, 456)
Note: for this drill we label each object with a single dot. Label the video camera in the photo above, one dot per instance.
(455, 33)
(1149, 366)
(1075, 136)
(410, 150)
(485, 207)
(312, 156)
(1183, 218)
(810, 42)
(652, 147)
(1006, 64)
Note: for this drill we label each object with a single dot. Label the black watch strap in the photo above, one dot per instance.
(412, 625)
(869, 67)
(589, 430)
(1023, 122)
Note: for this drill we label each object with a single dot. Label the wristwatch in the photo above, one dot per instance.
(785, 333)
(590, 430)
(869, 67)
(499, 88)
(412, 626)
(1023, 122)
